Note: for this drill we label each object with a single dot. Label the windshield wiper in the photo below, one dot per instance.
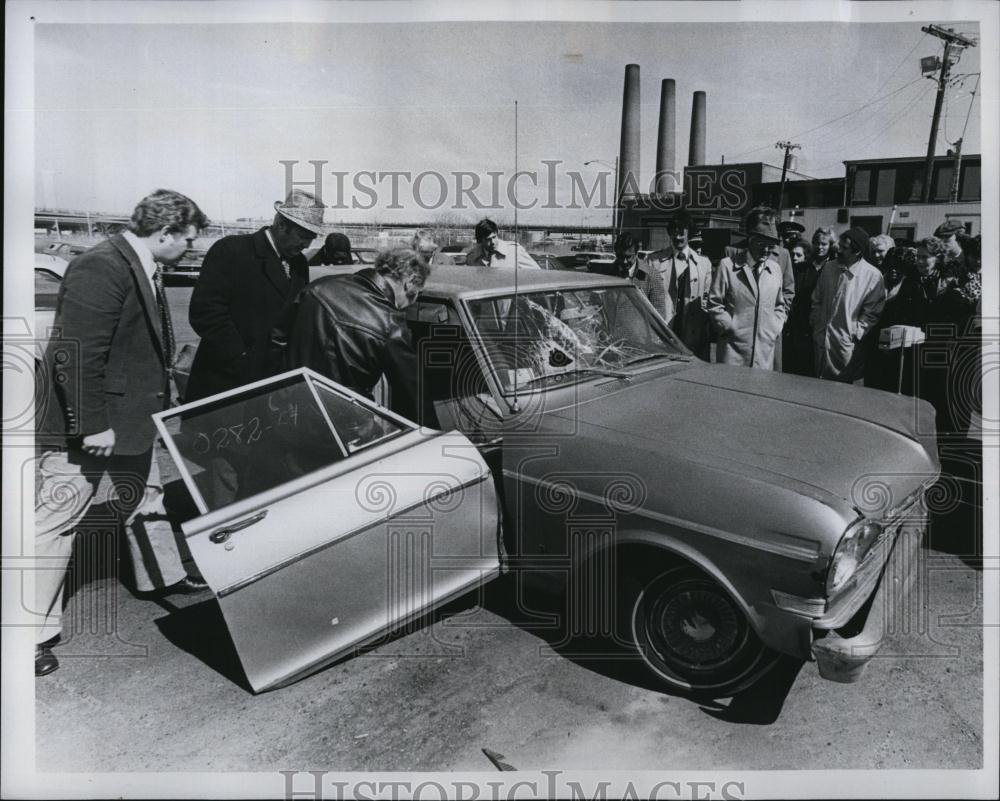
(674, 357)
(577, 371)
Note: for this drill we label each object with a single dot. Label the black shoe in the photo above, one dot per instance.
(186, 586)
(45, 661)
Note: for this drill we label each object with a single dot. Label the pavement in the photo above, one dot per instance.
(156, 686)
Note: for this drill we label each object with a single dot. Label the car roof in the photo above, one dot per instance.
(448, 281)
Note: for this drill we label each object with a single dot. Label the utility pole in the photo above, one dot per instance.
(953, 42)
(956, 170)
(788, 147)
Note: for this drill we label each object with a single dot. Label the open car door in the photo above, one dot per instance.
(324, 520)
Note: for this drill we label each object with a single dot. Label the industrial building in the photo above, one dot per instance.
(880, 195)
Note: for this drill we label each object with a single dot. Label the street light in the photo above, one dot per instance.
(614, 208)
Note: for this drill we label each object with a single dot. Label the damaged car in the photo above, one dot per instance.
(709, 518)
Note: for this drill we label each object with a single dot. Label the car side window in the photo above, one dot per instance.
(243, 443)
(359, 426)
(46, 289)
(450, 372)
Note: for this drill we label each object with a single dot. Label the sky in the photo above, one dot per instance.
(212, 109)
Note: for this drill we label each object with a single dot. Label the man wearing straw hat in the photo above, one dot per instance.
(245, 289)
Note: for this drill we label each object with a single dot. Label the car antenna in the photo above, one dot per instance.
(517, 405)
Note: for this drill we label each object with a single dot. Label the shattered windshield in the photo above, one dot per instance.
(549, 336)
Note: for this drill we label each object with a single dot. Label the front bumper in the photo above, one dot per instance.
(842, 654)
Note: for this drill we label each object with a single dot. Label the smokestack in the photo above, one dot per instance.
(666, 141)
(628, 159)
(696, 148)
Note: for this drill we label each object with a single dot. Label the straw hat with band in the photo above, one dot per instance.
(303, 209)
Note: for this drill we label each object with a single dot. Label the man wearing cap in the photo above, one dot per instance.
(747, 301)
(677, 284)
(336, 251)
(847, 302)
(955, 264)
(790, 233)
(948, 232)
(245, 289)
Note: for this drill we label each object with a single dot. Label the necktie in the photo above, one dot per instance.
(682, 290)
(287, 268)
(166, 324)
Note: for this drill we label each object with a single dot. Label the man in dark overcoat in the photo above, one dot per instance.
(106, 372)
(245, 290)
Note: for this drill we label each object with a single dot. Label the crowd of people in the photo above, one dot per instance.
(813, 308)
(818, 307)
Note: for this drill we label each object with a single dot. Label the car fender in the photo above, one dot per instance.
(669, 544)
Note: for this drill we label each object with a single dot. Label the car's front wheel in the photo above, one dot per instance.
(693, 635)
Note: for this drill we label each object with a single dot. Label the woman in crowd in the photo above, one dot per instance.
(824, 247)
(941, 380)
(930, 260)
(797, 344)
(904, 305)
(958, 313)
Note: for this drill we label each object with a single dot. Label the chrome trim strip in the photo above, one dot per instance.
(326, 417)
(799, 553)
(245, 582)
(181, 465)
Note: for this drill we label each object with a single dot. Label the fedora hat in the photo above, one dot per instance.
(765, 229)
(303, 209)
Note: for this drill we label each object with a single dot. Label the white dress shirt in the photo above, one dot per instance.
(145, 257)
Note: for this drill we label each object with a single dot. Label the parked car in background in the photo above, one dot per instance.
(61, 248)
(358, 255)
(605, 265)
(550, 261)
(49, 273)
(712, 517)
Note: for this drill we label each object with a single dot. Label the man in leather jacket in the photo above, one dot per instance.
(351, 328)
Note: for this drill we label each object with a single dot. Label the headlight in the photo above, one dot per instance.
(853, 546)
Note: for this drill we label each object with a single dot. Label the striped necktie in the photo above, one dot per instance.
(166, 324)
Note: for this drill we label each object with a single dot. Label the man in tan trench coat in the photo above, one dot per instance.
(747, 299)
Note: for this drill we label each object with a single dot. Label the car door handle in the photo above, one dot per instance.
(220, 535)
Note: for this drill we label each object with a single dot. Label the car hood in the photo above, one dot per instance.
(837, 439)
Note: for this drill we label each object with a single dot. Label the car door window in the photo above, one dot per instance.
(246, 442)
(450, 372)
(46, 289)
(359, 426)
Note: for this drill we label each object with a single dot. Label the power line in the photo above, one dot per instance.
(902, 113)
(836, 119)
(901, 63)
(908, 100)
(972, 102)
(884, 83)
